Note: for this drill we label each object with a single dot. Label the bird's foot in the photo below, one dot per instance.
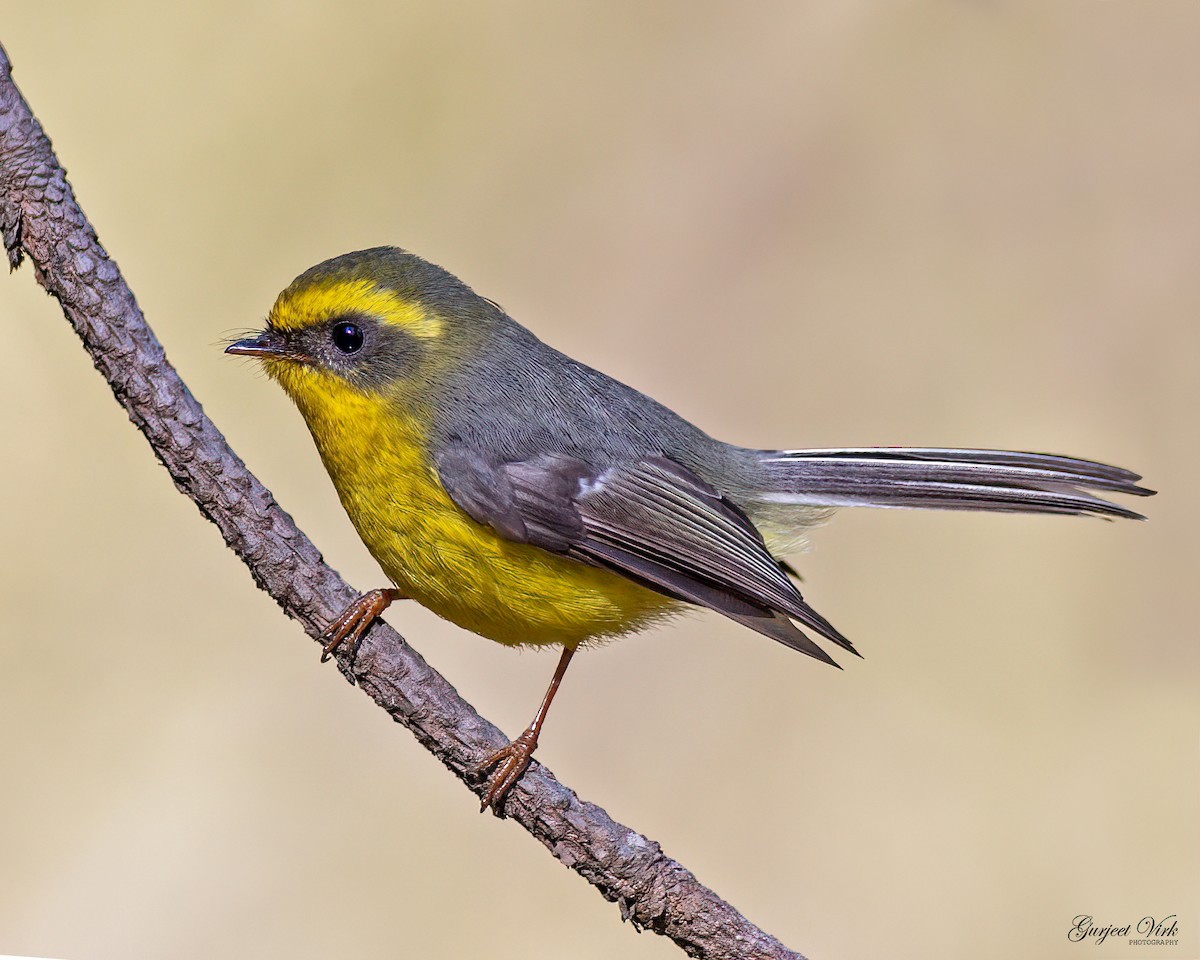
(353, 622)
(510, 762)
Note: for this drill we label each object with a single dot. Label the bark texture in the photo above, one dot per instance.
(39, 218)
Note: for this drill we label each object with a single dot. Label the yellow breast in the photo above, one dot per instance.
(435, 554)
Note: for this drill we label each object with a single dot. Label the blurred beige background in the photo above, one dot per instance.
(799, 224)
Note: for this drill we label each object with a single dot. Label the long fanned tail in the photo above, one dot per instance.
(998, 480)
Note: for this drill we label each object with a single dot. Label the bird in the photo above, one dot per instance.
(534, 500)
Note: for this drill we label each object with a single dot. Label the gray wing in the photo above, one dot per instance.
(650, 520)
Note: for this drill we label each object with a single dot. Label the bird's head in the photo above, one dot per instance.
(374, 324)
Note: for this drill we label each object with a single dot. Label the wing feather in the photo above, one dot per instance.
(650, 520)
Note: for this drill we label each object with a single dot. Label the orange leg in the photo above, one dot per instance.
(512, 761)
(352, 622)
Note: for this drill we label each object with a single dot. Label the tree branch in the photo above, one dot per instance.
(40, 217)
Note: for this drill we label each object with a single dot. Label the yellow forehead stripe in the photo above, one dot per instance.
(317, 303)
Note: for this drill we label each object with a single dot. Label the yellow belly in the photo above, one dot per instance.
(461, 570)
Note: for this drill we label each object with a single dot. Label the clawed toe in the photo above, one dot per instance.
(510, 762)
(353, 622)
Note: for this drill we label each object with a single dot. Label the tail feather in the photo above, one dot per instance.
(995, 480)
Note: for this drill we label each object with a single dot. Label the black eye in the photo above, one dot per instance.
(347, 337)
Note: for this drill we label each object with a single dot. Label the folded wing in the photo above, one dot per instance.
(650, 520)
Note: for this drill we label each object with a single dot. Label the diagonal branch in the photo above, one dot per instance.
(40, 217)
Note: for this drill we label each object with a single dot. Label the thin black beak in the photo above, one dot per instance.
(265, 346)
